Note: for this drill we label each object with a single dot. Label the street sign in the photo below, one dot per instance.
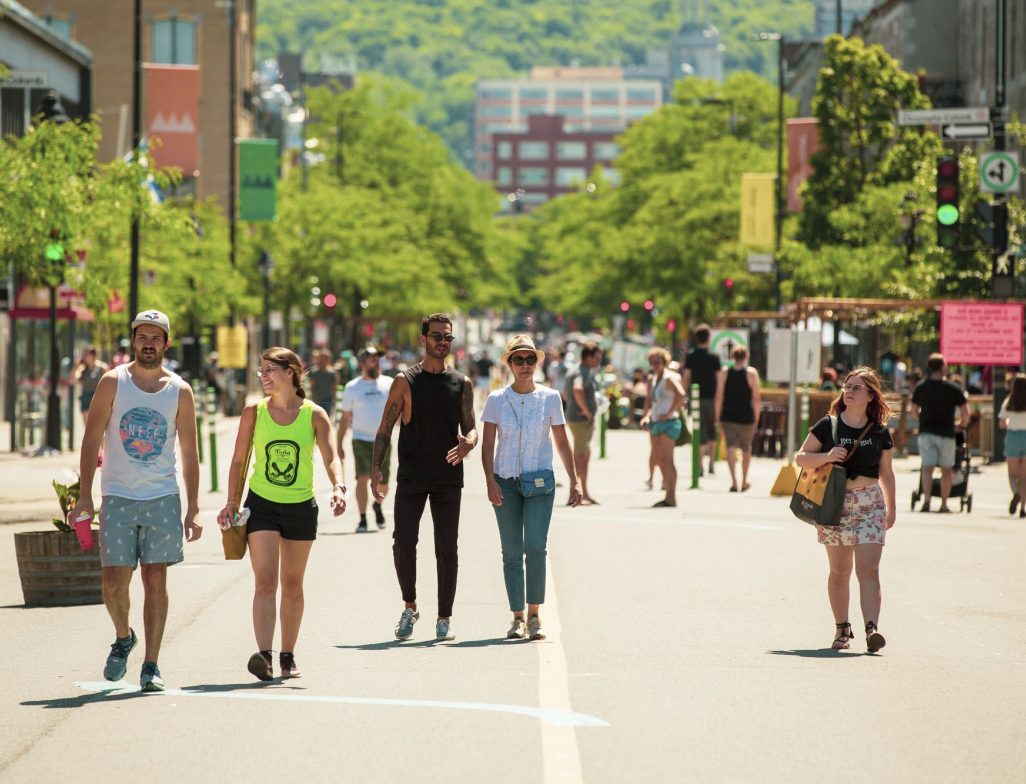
(981, 333)
(26, 79)
(999, 172)
(722, 343)
(778, 367)
(976, 114)
(971, 131)
(760, 262)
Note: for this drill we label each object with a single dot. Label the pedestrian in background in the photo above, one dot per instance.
(363, 404)
(282, 431)
(87, 375)
(701, 367)
(738, 402)
(934, 404)
(520, 423)
(140, 410)
(1012, 418)
(665, 398)
(483, 375)
(434, 403)
(579, 391)
(868, 511)
(323, 381)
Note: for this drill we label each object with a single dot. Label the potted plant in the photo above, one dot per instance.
(55, 571)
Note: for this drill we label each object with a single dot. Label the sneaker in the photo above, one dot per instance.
(404, 630)
(443, 631)
(362, 527)
(260, 665)
(149, 678)
(379, 516)
(289, 668)
(117, 661)
(534, 628)
(516, 631)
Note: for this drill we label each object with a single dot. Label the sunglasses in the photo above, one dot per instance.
(853, 387)
(438, 337)
(524, 359)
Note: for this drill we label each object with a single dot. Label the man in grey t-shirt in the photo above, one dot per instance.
(581, 407)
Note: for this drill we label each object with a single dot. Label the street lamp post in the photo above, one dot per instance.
(779, 212)
(266, 267)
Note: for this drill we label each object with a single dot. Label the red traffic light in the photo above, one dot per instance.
(330, 300)
(625, 306)
(649, 305)
(728, 284)
(947, 167)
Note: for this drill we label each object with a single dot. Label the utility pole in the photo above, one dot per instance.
(133, 268)
(1001, 286)
(839, 29)
(232, 90)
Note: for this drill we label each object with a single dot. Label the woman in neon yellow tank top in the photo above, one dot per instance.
(282, 430)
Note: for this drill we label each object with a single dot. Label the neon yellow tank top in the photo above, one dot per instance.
(283, 467)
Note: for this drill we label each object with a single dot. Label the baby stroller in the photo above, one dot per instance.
(959, 478)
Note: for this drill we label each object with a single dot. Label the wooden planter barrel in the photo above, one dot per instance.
(54, 570)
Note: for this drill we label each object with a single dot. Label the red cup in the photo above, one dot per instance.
(83, 525)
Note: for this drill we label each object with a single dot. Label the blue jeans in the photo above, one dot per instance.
(523, 532)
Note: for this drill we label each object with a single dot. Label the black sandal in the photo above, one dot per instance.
(874, 640)
(844, 636)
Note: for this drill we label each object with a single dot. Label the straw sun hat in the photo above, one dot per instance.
(521, 343)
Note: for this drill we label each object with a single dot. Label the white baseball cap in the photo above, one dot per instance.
(154, 317)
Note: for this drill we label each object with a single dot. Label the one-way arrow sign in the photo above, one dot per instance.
(973, 131)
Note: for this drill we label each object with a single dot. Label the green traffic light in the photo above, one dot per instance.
(54, 251)
(947, 214)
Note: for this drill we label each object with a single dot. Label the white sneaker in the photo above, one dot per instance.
(534, 628)
(516, 631)
(443, 631)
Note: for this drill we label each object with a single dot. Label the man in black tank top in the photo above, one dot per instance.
(738, 405)
(433, 403)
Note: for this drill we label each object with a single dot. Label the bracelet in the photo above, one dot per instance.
(339, 484)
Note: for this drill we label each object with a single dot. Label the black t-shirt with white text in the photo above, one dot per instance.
(866, 460)
(937, 400)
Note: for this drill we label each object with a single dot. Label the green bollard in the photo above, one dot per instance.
(696, 436)
(197, 394)
(602, 436)
(211, 412)
(339, 393)
(805, 414)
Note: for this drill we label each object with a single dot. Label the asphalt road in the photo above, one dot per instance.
(685, 645)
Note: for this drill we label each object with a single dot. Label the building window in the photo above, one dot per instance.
(569, 94)
(648, 96)
(505, 150)
(534, 94)
(605, 95)
(612, 175)
(495, 92)
(571, 151)
(494, 127)
(639, 111)
(532, 175)
(570, 175)
(533, 151)
(174, 42)
(485, 148)
(493, 111)
(504, 176)
(537, 109)
(606, 151)
(605, 111)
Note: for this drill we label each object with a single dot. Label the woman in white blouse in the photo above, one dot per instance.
(517, 456)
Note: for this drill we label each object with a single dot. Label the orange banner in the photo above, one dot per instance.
(802, 144)
(172, 115)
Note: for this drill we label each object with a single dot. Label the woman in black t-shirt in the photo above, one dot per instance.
(868, 500)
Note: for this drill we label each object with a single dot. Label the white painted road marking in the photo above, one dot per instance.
(555, 717)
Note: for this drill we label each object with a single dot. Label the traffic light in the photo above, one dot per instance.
(330, 300)
(649, 306)
(625, 306)
(728, 287)
(948, 211)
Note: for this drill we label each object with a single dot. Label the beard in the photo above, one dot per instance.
(372, 372)
(150, 363)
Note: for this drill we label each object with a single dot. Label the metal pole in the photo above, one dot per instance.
(53, 403)
(1000, 215)
(780, 169)
(792, 397)
(302, 93)
(805, 414)
(232, 90)
(197, 393)
(133, 270)
(211, 413)
(840, 25)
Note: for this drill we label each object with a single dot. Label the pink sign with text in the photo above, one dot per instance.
(981, 333)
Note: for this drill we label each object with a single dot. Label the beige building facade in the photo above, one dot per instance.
(174, 32)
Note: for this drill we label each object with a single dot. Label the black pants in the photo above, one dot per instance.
(410, 498)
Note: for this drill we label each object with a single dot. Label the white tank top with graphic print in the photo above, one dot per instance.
(139, 443)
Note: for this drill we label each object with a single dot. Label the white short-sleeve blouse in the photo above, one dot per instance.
(523, 428)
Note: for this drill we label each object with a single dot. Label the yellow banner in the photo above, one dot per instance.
(231, 347)
(757, 214)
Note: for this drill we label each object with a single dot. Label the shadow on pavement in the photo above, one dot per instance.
(85, 699)
(214, 688)
(819, 653)
(389, 644)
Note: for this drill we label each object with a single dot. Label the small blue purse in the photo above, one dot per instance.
(534, 483)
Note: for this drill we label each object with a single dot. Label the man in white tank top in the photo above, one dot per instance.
(139, 411)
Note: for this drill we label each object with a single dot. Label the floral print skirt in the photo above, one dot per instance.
(863, 519)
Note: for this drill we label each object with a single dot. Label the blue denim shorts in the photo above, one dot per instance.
(134, 532)
(666, 427)
(1015, 443)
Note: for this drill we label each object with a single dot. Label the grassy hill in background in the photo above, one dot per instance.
(442, 47)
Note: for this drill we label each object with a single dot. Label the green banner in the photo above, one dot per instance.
(258, 175)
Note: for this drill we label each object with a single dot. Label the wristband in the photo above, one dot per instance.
(339, 484)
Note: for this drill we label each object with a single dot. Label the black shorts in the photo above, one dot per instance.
(297, 522)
